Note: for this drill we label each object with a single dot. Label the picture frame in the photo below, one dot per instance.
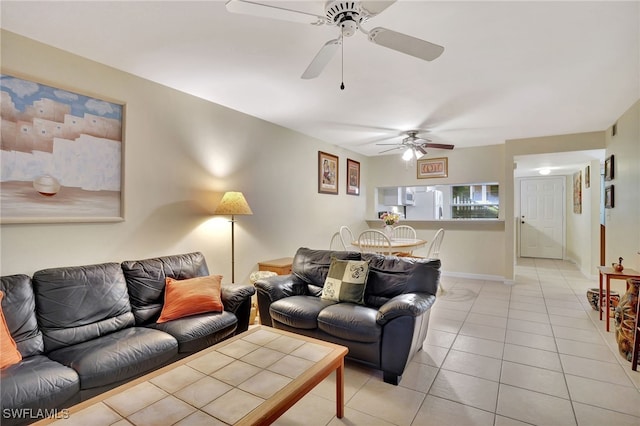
(577, 192)
(587, 177)
(353, 177)
(433, 168)
(609, 197)
(62, 154)
(608, 168)
(328, 173)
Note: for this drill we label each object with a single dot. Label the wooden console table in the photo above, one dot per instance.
(280, 266)
(606, 274)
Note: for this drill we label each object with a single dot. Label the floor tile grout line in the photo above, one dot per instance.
(599, 327)
(566, 374)
(469, 312)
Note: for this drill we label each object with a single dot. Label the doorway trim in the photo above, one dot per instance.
(563, 202)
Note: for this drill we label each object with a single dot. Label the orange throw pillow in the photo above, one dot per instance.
(9, 354)
(190, 297)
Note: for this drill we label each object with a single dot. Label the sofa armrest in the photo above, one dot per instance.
(233, 295)
(279, 286)
(412, 304)
(275, 288)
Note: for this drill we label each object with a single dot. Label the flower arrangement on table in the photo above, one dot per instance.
(390, 218)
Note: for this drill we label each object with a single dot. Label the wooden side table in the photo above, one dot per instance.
(606, 274)
(280, 266)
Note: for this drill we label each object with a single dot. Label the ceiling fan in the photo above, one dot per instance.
(414, 146)
(349, 17)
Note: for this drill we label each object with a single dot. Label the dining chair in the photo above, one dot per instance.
(405, 232)
(336, 242)
(347, 237)
(375, 241)
(434, 252)
(434, 247)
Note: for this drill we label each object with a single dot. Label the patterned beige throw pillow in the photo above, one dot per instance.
(346, 281)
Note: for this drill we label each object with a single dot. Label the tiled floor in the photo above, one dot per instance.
(531, 353)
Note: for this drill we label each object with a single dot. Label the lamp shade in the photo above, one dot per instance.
(233, 203)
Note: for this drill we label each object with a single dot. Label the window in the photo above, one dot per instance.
(475, 201)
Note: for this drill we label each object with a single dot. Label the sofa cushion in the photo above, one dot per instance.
(346, 281)
(197, 332)
(146, 280)
(38, 382)
(350, 322)
(390, 276)
(118, 356)
(299, 311)
(9, 354)
(81, 303)
(190, 297)
(19, 307)
(312, 266)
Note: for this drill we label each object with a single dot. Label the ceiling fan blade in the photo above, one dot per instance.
(390, 149)
(405, 43)
(438, 145)
(421, 149)
(322, 59)
(247, 7)
(374, 7)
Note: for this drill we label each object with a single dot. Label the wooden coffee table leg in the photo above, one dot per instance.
(340, 389)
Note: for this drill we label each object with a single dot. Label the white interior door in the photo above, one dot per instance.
(542, 203)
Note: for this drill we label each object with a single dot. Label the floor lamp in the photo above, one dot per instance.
(233, 203)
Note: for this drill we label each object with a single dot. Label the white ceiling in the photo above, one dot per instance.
(509, 70)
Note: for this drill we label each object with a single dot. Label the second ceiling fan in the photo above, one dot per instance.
(348, 16)
(414, 146)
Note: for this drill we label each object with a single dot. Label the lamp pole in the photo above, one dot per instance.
(233, 203)
(233, 251)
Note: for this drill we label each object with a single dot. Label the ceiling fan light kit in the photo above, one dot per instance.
(414, 146)
(348, 17)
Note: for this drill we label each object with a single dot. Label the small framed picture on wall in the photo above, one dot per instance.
(608, 168)
(353, 177)
(587, 177)
(327, 173)
(609, 197)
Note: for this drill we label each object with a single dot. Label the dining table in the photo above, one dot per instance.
(397, 245)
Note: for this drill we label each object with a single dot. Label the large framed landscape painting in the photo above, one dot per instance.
(61, 155)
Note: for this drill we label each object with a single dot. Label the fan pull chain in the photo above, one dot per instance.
(342, 66)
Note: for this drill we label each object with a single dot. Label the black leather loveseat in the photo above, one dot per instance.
(86, 329)
(384, 332)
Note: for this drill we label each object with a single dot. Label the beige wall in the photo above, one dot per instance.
(181, 154)
(469, 248)
(561, 143)
(623, 221)
(583, 230)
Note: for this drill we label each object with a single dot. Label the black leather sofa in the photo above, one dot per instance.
(384, 333)
(86, 329)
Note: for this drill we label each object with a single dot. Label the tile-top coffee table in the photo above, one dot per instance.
(250, 379)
